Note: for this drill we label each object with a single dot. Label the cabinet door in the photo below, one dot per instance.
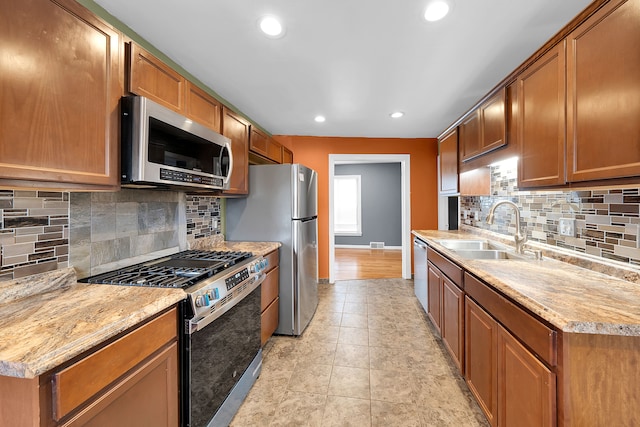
(202, 107)
(236, 128)
(146, 397)
(434, 295)
(453, 321)
(287, 155)
(448, 158)
(603, 94)
(469, 129)
(274, 150)
(258, 141)
(60, 87)
(526, 388)
(493, 129)
(541, 121)
(150, 77)
(481, 334)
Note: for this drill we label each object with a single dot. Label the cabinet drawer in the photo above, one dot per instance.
(269, 290)
(273, 259)
(75, 384)
(148, 396)
(269, 321)
(452, 271)
(534, 334)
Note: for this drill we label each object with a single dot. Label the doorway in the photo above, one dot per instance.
(404, 161)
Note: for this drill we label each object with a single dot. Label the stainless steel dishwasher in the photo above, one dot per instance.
(420, 271)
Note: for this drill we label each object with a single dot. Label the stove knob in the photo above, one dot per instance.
(265, 264)
(254, 267)
(199, 301)
(207, 301)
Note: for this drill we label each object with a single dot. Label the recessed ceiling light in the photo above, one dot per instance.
(271, 26)
(397, 114)
(436, 10)
(319, 119)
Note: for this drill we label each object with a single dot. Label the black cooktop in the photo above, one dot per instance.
(180, 270)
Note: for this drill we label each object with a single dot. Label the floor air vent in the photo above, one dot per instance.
(376, 245)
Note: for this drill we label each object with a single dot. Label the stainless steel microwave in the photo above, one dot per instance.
(163, 149)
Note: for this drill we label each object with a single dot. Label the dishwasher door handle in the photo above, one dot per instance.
(420, 245)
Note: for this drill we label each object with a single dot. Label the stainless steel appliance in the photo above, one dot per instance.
(161, 148)
(220, 337)
(282, 206)
(420, 272)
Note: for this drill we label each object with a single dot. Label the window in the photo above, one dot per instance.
(347, 218)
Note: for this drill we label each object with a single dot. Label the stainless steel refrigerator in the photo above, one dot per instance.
(282, 206)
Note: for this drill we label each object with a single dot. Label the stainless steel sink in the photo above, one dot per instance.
(456, 245)
(487, 254)
(480, 249)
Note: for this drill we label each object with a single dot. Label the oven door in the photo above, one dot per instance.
(216, 358)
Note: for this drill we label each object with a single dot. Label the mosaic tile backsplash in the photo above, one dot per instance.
(34, 232)
(43, 230)
(203, 217)
(606, 220)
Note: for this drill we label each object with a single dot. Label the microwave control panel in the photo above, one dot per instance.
(185, 177)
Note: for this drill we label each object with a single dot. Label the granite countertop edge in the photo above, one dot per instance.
(521, 281)
(42, 341)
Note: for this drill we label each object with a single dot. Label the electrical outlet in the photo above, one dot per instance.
(567, 227)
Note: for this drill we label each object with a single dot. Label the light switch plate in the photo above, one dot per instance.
(567, 227)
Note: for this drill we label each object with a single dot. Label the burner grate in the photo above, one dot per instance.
(230, 257)
(181, 270)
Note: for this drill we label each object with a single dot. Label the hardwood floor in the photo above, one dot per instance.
(352, 264)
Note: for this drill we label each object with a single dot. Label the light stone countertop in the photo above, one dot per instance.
(215, 244)
(49, 318)
(571, 298)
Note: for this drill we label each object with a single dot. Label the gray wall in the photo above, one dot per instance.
(381, 203)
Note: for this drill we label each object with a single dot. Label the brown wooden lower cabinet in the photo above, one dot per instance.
(148, 396)
(511, 385)
(526, 387)
(269, 298)
(445, 304)
(481, 336)
(453, 321)
(132, 381)
(269, 320)
(434, 295)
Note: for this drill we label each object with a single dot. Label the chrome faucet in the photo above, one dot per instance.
(519, 237)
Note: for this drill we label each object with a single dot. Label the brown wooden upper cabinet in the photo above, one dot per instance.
(60, 114)
(287, 155)
(603, 94)
(202, 107)
(448, 160)
(150, 77)
(493, 127)
(541, 121)
(469, 136)
(484, 129)
(236, 128)
(265, 146)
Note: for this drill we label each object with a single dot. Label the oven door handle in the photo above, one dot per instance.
(201, 322)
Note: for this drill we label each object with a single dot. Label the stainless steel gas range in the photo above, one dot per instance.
(220, 338)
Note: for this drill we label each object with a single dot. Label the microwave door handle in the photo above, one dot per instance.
(228, 177)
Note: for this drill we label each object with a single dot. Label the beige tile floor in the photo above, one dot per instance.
(368, 358)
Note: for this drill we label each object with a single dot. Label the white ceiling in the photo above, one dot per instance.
(353, 61)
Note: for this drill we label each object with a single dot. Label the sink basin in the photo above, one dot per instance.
(456, 245)
(487, 254)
